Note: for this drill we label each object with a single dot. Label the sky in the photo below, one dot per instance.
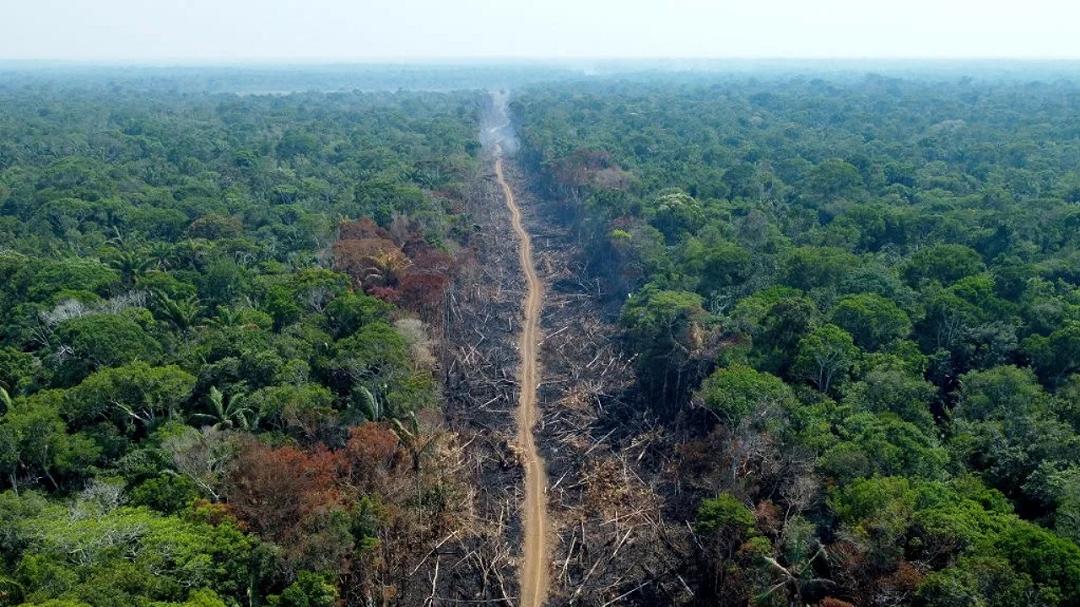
(156, 31)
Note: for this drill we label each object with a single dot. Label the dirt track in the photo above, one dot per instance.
(534, 565)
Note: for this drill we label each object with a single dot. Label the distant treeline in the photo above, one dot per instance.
(270, 78)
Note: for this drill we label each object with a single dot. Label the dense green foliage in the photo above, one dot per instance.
(175, 344)
(854, 301)
(870, 286)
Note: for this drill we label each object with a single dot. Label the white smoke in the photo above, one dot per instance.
(495, 124)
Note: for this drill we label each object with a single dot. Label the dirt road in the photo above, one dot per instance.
(534, 565)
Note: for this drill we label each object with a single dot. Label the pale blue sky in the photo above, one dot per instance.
(344, 30)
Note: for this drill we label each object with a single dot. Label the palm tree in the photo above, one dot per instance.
(160, 252)
(131, 265)
(371, 407)
(386, 267)
(801, 549)
(417, 444)
(225, 317)
(180, 313)
(231, 411)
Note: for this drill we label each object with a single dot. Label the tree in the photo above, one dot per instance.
(35, 445)
(1004, 429)
(309, 590)
(872, 320)
(1052, 562)
(741, 181)
(287, 298)
(202, 456)
(423, 293)
(304, 407)
(736, 392)
(721, 266)
(776, 340)
(666, 327)
(223, 282)
(230, 411)
(832, 179)
(20, 372)
(294, 499)
(181, 313)
(371, 262)
(677, 212)
(887, 520)
(1057, 355)
(296, 142)
(347, 313)
(826, 356)
(131, 265)
(894, 390)
(882, 444)
(979, 580)
(372, 456)
(724, 525)
(796, 577)
(377, 357)
(107, 340)
(133, 395)
(214, 226)
(945, 263)
(100, 553)
(809, 268)
(1000, 393)
(44, 278)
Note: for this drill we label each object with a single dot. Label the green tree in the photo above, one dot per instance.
(882, 444)
(377, 357)
(107, 340)
(1000, 393)
(737, 392)
(1004, 429)
(345, 314)
(35, 445)
(872, 320)
(666, 328)
(134, 395)
(309, 590)
(42, 279)
(116, 556)
(180, 313)
(810, 268)
(826, 356)
(833, 178)
(1057, 355)
(894, 390)
(980, 580)
(776, 340)
(131, 265)
(721, 266)
(1052, 562)
(945, 263)
(230, 411)
(724, 525)
(677, 212)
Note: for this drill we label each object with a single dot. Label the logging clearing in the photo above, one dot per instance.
(533, 578)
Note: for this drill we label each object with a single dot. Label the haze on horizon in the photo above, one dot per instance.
(136, 31)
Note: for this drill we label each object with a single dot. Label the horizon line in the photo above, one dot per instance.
(512, 59)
